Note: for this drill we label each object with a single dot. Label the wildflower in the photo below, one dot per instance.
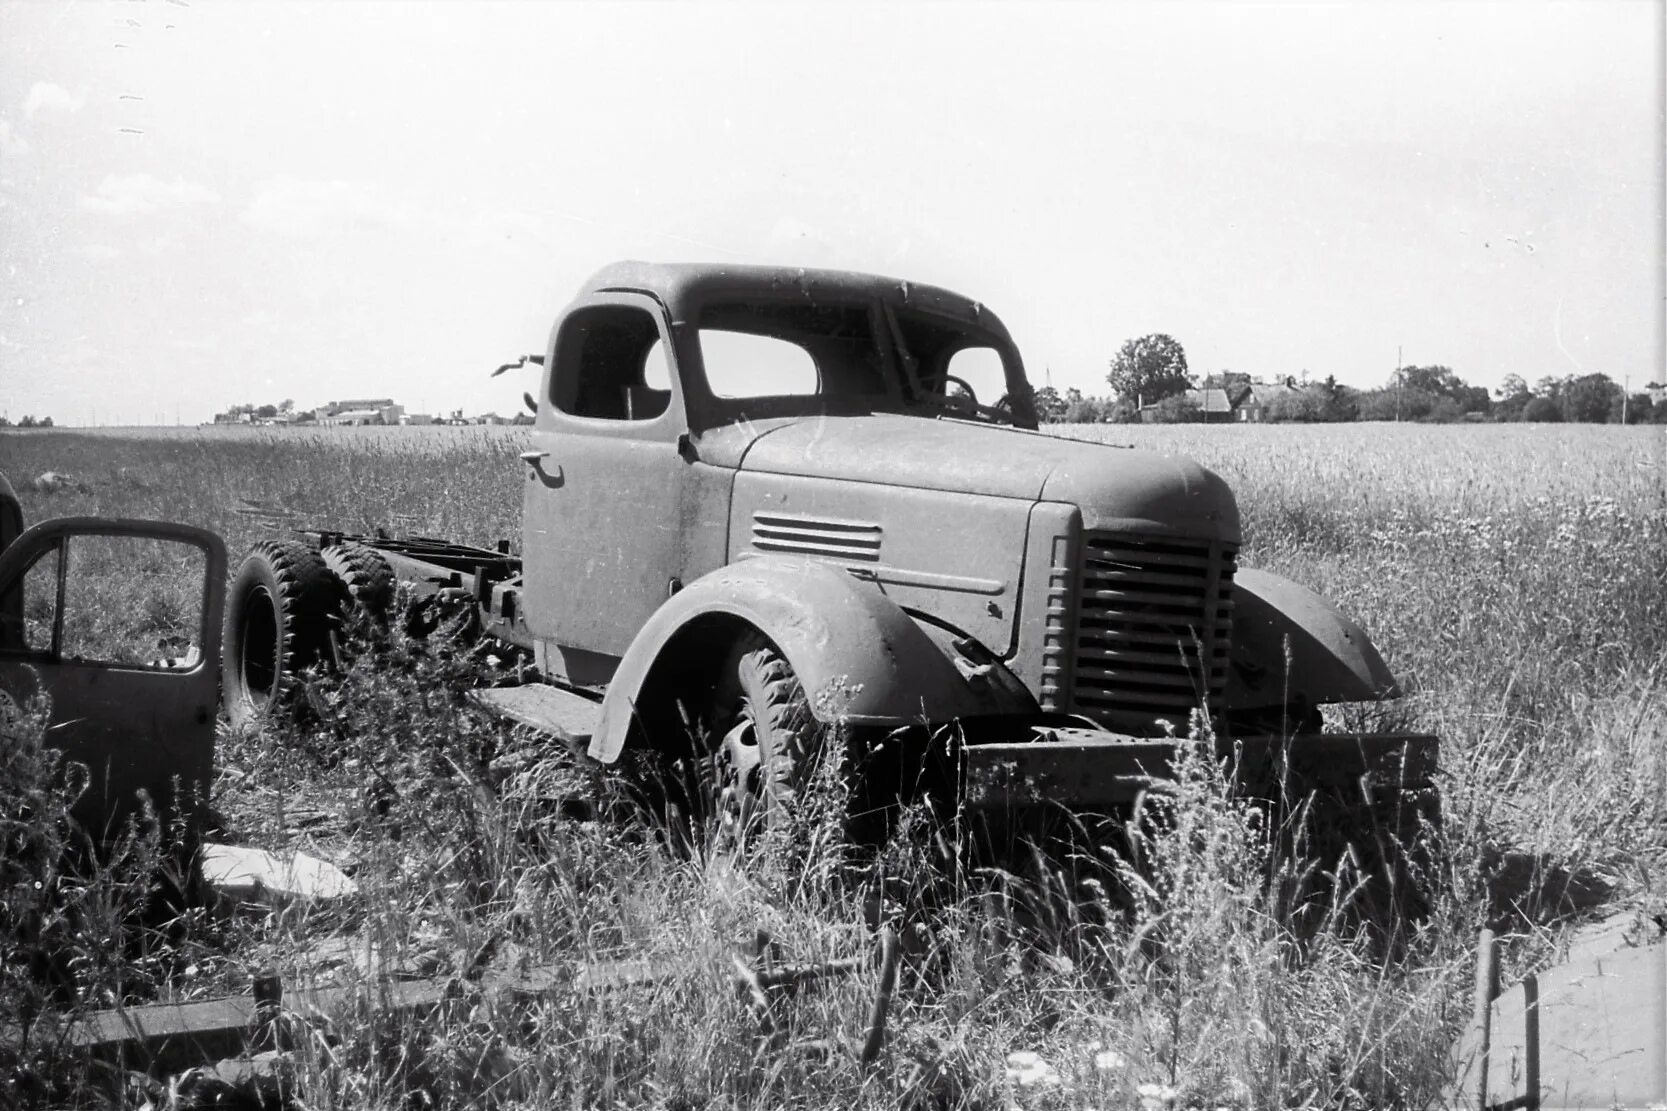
(1156, 1097)
(1108, 1060)
(1027, 1070)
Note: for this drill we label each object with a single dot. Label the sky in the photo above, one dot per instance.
(210, 203)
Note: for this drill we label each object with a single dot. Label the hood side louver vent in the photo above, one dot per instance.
(816, 536)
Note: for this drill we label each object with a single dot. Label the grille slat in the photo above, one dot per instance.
(1153, 625)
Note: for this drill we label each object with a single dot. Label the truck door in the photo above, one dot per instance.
(112, 628)
(602, 515)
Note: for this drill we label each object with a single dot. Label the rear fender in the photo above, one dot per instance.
(859, 656)
(1331, 659)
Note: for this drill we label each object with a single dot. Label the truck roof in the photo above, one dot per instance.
(681, 284)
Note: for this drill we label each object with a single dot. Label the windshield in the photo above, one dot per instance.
(855, 355)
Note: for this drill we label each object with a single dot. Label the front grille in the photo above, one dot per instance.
(1154, 624)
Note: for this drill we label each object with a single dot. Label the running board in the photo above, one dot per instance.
(567, 715)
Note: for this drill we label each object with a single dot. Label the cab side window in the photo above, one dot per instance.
(118, 600)
(604, 369)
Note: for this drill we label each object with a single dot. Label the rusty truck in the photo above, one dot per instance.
(759, 502)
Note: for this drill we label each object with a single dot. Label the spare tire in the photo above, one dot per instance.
(282, 607)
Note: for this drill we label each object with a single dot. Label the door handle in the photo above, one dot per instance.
(535, 460)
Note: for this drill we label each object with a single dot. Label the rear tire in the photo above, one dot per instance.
(368, 588)
(366, 577)
(283, 603)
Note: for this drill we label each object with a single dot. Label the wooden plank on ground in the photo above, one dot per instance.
(1589, 1034)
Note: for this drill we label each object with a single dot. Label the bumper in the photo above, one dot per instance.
(1089, 771)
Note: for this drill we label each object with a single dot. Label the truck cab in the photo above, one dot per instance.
(692, 418)
(764, 503)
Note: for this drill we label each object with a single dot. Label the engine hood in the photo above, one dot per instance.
(1114, 487)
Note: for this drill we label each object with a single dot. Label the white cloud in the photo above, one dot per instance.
(97, 252)
(306, 207)
(44, 94)
(133, 193)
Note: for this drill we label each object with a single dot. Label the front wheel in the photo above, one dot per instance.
(765, 743)
(280, 610)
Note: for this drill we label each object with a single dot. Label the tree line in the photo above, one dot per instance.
(1150, 380)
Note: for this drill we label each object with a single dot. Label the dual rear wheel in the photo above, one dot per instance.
(285, 614)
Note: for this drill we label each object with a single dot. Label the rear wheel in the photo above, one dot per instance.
(280, 611)
(366, 577)
(368, 587)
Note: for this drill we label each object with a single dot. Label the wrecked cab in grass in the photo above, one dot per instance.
(110, 628)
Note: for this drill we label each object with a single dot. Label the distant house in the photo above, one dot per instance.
(1215, 406)
(1253, 405)
(381, 410)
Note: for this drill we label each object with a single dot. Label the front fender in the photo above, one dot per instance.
(1331, 659)
(860, 658)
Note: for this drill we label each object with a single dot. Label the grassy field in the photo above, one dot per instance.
(1515, 577)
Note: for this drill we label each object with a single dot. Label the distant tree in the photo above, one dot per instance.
(1437, 380)
(1177, 408)
(1149, 369)
(1119, 410)
(287, 405)
(1474, 399)
(1303, 406)
(1658, 414)
(5, 422)
(28, 421)
(1336, 402)
(1550, 387)
(46, 422)
(1513, 395)
(1446, 410)
(1396, 404)
(266, 412)
(1589, 398)
(1083, 410)
(1636, 410)
(1541, 410)
(1050, 407)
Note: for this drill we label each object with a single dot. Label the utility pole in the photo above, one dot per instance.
(1398, 388)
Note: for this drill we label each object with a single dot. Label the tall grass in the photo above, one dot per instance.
(1515, 578)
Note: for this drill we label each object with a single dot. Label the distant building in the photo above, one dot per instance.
(1253, 406)
(1214, 406)
(381, 410)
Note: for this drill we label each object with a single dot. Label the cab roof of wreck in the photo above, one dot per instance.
(684, 286)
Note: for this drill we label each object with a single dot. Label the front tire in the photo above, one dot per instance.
(765, 742)
(283, 604)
